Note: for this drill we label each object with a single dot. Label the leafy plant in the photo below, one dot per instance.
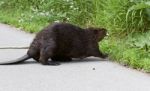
(140, 41)
(137, 16)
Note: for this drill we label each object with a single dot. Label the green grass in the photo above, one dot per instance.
(33, 15)
(24, 22)
(128, 51)
(127, 22)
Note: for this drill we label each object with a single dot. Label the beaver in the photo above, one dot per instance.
(62, 42)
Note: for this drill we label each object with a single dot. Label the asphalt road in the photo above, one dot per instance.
(91, 74)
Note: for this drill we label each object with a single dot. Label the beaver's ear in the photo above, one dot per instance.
(102, 30)
(96, 31)
(99, 30)
(100, 33)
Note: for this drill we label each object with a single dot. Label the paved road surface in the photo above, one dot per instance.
(73, 76)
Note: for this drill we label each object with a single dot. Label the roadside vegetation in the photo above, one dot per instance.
(127, 22)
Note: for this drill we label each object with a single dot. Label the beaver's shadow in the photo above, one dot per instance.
(74, 60)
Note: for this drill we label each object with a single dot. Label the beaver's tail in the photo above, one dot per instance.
(16, 61)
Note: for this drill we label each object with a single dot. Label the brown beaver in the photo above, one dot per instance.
(62, 42)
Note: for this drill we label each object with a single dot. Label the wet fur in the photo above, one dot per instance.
(64, 41)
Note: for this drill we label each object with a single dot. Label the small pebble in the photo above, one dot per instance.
(93, 68)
